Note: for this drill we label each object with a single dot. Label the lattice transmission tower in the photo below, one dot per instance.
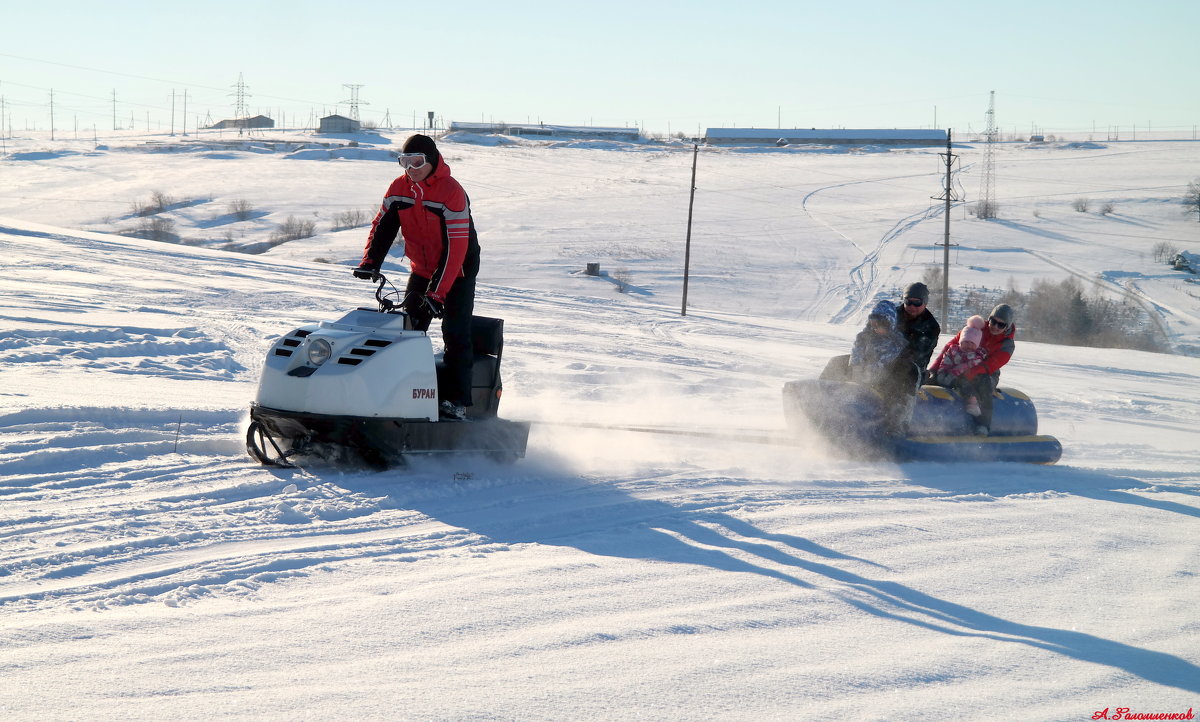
(239, 92)
(986, 207)
(241, 113)
(354, 101)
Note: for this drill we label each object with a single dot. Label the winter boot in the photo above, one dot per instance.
(450, 411)
(898, 415)
(972, 406)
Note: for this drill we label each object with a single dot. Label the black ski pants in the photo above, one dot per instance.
(982, 387)
(456, 332)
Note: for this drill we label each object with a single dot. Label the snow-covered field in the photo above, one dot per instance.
(149, 570)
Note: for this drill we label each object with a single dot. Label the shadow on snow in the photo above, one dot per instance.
(600, 519)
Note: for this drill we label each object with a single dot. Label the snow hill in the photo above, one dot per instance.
(149, 570)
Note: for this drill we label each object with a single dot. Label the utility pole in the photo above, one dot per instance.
(184, 117)
(948, 195)
(114, 108)
(172, 112)
(687, 252)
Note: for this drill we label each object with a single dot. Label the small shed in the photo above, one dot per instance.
(339, 124)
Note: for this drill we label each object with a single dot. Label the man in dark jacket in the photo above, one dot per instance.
(432, 211)
(921, 330)
(918, 325)
(906, 373)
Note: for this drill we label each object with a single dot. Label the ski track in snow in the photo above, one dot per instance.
(860, 289)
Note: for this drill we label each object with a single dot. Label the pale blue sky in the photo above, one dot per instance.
(1062, 66)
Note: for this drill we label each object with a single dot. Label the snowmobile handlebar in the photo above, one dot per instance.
(386, 301)
(385, 304)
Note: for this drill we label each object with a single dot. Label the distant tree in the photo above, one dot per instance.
(1164, 251)
(986, 209)
(350, 219)
(1080, 204)
(1107, 208)
(241, 209)
(156, 229)
(293, 229)
(933, 279)
(161, 201)
(622, 276)
(1191, 199)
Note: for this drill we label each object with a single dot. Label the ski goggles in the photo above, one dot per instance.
(411, 161)
(998, 324)
(914, 302)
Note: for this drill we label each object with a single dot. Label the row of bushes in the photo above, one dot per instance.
(991, 209)
(1055, 312)
(1191, 204)
(154, 227)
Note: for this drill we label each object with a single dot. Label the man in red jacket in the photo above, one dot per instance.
(433, 213)
(980, 381)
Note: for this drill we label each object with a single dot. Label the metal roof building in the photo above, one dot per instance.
(258, 121)
(840, 136)
(586, 132)
(339, 124)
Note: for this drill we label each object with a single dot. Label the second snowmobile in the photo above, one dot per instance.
(850, 416)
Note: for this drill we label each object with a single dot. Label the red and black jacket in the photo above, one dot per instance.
(439, 233)
(999, 347)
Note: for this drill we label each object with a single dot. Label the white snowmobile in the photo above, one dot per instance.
(368, 383)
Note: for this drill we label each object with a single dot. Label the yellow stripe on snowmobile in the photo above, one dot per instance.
(936, 392)
(980, 439)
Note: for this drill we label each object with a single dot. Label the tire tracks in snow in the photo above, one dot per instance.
(860, 286)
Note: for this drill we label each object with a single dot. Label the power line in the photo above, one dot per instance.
(176, 82)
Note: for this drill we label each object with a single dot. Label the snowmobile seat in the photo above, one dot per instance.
(487, 337)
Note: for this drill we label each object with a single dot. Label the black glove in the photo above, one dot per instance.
(433, 306)
(367, 273)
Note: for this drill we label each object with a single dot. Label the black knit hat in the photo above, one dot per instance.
(423, 144)
(917, 290)
(1002, 313)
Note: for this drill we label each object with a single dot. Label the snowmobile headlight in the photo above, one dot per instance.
(319, 351)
